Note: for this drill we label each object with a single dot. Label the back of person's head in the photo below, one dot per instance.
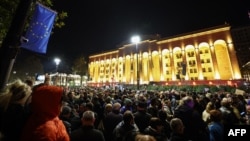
(19, 90)
(15, 92)
(142, 104)
(66, 110)
(215, 115)
(128, 102)
(225, 102)
(89, 106)
(176, 125)
(154, 122)
(162, 114)
(88, 118)
(142, 137)
(88, 115)
(47, 100)
(116, 106)
(209, 106)
(154, 101)
(188, 100)
(108, 107)
(128, 117)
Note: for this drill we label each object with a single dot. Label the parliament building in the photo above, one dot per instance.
(205, 56)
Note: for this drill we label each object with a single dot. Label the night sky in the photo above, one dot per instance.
(94, 26)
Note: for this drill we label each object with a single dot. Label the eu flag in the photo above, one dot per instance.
(38, 33)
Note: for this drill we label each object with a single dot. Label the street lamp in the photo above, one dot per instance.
(136, 40)
(57, 61)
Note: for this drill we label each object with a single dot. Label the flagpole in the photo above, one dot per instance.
(10, 45)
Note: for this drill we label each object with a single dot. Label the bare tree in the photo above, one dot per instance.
(27, 69)
(80, 66)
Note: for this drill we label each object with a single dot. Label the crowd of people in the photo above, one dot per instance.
(54, 113)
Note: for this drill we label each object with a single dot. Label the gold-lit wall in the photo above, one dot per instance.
(202, 55)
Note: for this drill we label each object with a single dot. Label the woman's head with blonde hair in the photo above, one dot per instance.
(16, 92)
(141, 137)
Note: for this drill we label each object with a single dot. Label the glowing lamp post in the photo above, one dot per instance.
(57, 61)
(136, 40)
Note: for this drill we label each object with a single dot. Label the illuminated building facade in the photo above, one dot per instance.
(203, 55)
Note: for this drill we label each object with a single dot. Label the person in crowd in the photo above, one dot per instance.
(107, 109)
(13, 113)
(44, 122)
(173, 103)
(155, 106)
(98, 109)
(206, 114)
(156, 129)
(177, 128)
(90, 107)
(241, 106)
(142, 137)
(70, 98)
(74, 118)
(111, 120)
(195, 127)
(128, 105)
(126, 130)
(65, 116)
(141, 116)
(167, 107)
(247, 116)
(235, 102)
(87, 131)
(216, 129)
(228, 116)
(82, 109)
(163, 116)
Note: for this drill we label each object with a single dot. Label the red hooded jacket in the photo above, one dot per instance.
(44, 123)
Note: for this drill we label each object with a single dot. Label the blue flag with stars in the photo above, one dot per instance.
(38, 33)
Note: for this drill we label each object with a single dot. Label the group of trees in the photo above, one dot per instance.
(27, 69)
(8, 11)
(80, 66)
(31, 64)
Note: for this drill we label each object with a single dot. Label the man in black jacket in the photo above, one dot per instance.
(87, 131)
(111, 120)
(126, 130)
(195, 128)
(142, 117)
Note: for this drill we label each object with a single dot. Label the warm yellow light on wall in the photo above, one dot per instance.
(151, 78)
(162, 77)
(237, 75)
(201, 76)
(217, 75)
(160, 62)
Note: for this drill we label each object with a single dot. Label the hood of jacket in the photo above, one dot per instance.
(47, 101)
